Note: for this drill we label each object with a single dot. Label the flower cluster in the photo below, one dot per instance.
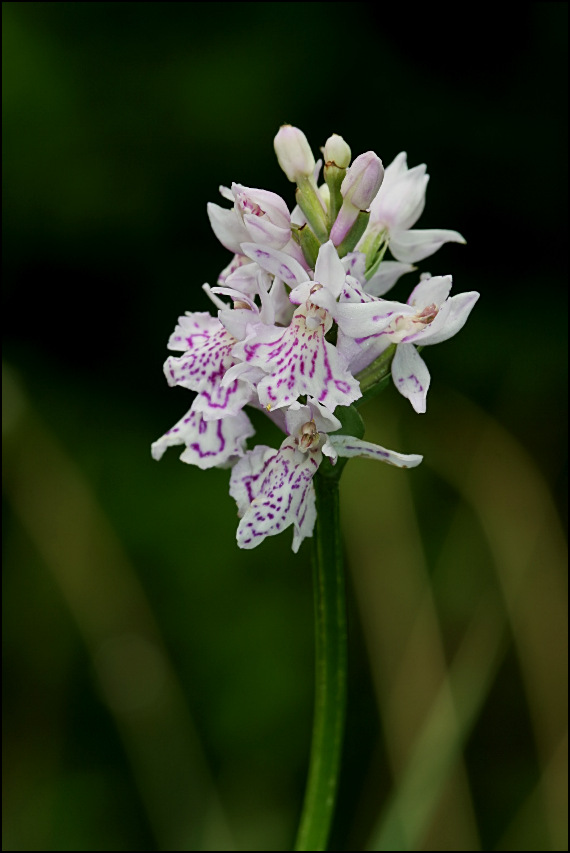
(301, 312)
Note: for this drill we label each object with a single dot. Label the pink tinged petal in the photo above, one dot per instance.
(209, 444)
(269, 203)
(411, 376)
(362, 180)
(329, 269)
(276, 262)
(346, 218)
(244, 278)
(236, 262)
(431, 291)
(279, 490)
(228, 227)
(260, 229)
(459, 308)
(386, 277)
(299, 361)
(194, 330)
(413, 246)
(346, 445)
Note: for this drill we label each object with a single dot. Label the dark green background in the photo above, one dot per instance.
(120, 120)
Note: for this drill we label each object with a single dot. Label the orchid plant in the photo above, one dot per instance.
(304, 333)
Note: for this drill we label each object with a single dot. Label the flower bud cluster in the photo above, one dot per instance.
(301, 312)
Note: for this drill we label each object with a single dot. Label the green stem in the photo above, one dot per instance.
(330, 670)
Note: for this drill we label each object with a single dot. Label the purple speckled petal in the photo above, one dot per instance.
(203, 368)
(346, 445)
(277, 263)
(206, 359)
(273, 491)
(236, 262)
(360, 320)
(193, 331)
(209, 444)
(299, 361)
(411, 376)
(244, 485)
(305, 521)
(355, 263)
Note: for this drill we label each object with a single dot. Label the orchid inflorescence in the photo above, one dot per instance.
(305, 322)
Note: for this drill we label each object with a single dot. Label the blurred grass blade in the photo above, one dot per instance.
(63, 519)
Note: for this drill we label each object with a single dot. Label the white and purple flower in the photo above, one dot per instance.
(301, 323)
(274, 489)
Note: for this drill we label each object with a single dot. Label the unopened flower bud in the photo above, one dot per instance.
(294, 153)
(363, 180)
(337, 151)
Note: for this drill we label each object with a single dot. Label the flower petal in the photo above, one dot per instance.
(207, 357)
(413, 246)
(348, 446)
(329, 270)
(360, 320)
(298, 414)
(194, 330)
(431, 291)
(203, 368)
(299, 361)
(401, 198)
(459, 309)
(386, 277)
(411, 376)
(276, 262)
(227, 226)
(209, 444)
(279, 489)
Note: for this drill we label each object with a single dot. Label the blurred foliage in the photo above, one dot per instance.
(158, 682)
